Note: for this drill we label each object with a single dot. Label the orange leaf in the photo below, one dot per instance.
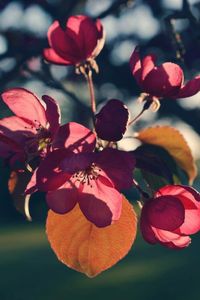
(173, 141)
(86, 248)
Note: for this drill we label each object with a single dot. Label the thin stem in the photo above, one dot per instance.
(145, 107)
(92, 94)
(136, 118)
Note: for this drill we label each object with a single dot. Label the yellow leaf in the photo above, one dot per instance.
(173, 141)
(86, 248)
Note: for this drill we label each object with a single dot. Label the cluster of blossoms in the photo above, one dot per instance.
(75, 165)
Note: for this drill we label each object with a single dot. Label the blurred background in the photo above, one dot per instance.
(171, 30)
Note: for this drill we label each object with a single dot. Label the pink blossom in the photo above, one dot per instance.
(166, 80)
(32, 127)
(35, 128)
(92, 180)
(71, 137)
(171, 216)
(82, 39)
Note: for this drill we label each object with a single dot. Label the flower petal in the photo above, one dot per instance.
(53, 114)
(75, 137)
(64, 43)
(25, 104)
(180, 191)
(181, 242)
(101, 34)
(86, 33)
(164, 80)
(148, 64)
(135, 65)
(111, 121)
(166, 212)
(100, 203)
(75, 162)
(191, 88)
(17, 129)
(82, 38)
(51, 56)
(170, 239)
(190, 199)
(49, 175)
(118, 165)
(145, 227)
(63, 199)
(191, 224)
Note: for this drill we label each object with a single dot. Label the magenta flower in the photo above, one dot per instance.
(80, 41)
(92, 180)
(166, 80)
(71, 137)
(31, 130)
(35, 129)
(111, 122)
(171, 216)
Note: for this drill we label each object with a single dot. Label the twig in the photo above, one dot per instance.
(115, 6)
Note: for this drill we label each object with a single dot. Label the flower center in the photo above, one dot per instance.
(39, 142)
(88, 175)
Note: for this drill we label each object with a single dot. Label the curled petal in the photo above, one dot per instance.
(25, 104)
(166, 212)
(181, 191)
(182, 242)
(75, 137)
(51, 56)
(111, 121)
(170, 239)
(53, 114)
(164, 81)
(101, 39)
(118, 165)
(191, 88)
(100, 203)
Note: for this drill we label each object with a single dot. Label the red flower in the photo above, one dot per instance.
(71, 137)
(111, 121)
(81, 40)
(90, 179)
(165, 80)
(171, 216)
(35, 129)
(31, 130)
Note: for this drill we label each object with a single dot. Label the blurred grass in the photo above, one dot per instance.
(29, 270)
